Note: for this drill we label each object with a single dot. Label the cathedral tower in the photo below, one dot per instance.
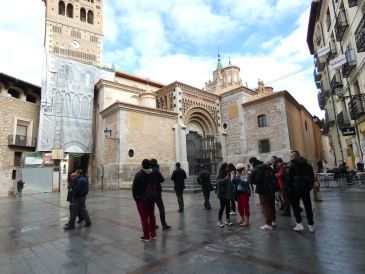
(74, 29)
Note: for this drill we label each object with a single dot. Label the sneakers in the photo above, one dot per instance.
(228, 222)
(154, 238)
(166, 227)
(273, 224)
(311, 228)
(145, 239)
(88, 224)
(232, 213)
(220, 224)
(244, 223)
(299, 227)
(266, 227)
(68, 227)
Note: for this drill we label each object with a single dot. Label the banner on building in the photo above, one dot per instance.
(337, 62)
(67, 103)
(323, 51)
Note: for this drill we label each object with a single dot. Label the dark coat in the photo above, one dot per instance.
(158, 177)
(79, 187)
(20, 184)
(300, 177)
(225, 188)
(257, 177)
(140, 183)
(179, 176)
(204, 180)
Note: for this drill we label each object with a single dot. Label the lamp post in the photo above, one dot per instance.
(108, 136)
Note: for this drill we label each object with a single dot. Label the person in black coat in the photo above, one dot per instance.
(159, 202)
(204, 180)
(300, 182)
(179, 176)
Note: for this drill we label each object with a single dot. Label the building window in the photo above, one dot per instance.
(61, 8)
(264, 146)
(90, 17)
(70, 11)
(13, 93)
(31, 99)
(225, 125)
(83, 15)
(17, 158)
(261, 120)
(131, 153)
(328, 19)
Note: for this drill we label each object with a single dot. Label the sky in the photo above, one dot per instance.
(167, 41)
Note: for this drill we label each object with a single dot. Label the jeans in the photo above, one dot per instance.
(206, 194)
(306, 198)
(224, 205)
(146, 212)
(161, 208)
(268, 207)
(180, 199)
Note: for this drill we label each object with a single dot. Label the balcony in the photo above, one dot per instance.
(333, 51)
(22, 141)
(343, 120)
(321, 100)
(356, 108)
(352, 3)
(360, 36)
(319, 63)
(341, 25)
(317, 75)
(350, 64)
(335, 85)
(329, 116)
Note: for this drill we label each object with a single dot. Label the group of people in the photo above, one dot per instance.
(287, 183)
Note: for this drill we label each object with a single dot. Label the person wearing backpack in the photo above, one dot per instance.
(179, 176)
(204, 180)
(19, 186)
(263, 177)
(301, 180)
(79, 191)
(144, 194)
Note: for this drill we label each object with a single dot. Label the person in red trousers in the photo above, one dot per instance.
(145, 193)
(243, 191)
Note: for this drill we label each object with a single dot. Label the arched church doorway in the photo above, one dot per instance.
(202, 146)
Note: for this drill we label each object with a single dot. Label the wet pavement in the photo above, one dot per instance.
(32, 239)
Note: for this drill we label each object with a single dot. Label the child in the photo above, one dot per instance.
(243, 191)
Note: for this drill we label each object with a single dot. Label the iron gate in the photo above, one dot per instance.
(203, 150)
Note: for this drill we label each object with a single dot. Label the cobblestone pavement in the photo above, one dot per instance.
(32, 239)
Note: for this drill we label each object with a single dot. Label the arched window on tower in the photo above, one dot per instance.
(13, 93)
(61, 8)
(70, 10)
(90, 17)
(83, 15)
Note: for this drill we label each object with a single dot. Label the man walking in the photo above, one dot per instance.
(159, 179)
(204, 180)
(79, 190)
(301, 180)
(179, 176)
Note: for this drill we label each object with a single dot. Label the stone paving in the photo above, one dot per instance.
(32, 239)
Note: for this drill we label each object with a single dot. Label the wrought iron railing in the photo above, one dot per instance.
(22, 141)
(360, 35)
(352, 3)
(341, 25)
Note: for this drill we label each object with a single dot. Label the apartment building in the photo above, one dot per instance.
(336, 39)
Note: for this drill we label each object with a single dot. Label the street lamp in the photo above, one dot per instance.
(108, 136)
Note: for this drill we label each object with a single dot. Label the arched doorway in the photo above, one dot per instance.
(202, 146)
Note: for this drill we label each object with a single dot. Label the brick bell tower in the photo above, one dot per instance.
(74, 29)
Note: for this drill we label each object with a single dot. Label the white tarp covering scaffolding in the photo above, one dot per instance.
(67, 104)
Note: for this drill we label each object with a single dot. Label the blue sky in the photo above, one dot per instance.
(168, 41)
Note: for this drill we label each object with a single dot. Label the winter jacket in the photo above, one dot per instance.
(241, 185)
(225, 188)
(140, 183)
(179, 176)
(80, 187)
(204, 180)
(300, 177)
(280, 175)
(159, 178)
(258, 178)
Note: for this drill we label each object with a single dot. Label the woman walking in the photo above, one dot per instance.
(225, 193)
(243, 191)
